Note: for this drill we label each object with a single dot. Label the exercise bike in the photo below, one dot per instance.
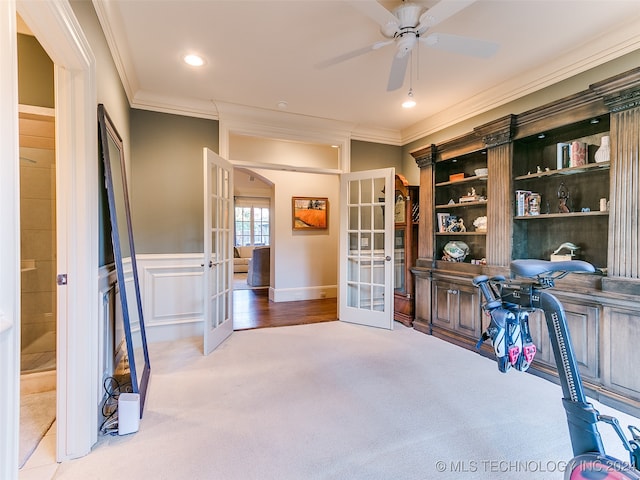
(509, 304)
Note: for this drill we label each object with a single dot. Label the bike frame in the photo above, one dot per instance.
(582, 417)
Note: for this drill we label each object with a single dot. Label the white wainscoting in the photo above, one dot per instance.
(173, 300)
(172, 296)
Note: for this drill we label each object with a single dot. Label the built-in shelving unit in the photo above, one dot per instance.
(568, 198)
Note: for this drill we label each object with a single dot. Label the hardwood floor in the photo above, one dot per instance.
(252, 309)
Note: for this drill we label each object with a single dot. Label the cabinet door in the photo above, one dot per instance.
(442, 308)
(583, 322)
(468, 306)
(620, 353)
(457, 308)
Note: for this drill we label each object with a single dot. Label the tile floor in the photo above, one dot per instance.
(42, 463)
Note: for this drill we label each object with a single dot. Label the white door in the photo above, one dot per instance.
(366, 247)
(218, 250)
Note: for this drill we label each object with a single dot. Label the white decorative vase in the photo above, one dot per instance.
(604, 152)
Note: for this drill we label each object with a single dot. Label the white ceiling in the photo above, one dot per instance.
(261, 52)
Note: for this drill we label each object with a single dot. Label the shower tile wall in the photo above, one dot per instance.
(38, 255)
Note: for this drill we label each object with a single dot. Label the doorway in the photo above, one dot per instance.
(253, 229)
(37, 274)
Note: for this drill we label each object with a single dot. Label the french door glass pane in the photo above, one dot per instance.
(365, 297)
(353, 218)
(354, 191)
(352, 295)
(365, 217)
(378, 298)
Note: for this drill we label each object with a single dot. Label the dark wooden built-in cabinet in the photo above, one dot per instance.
(537, 196)
(406, 216)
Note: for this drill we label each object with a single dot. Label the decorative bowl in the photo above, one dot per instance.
(455, 251)
(481, 171)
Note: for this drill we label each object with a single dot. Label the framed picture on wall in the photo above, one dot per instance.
(310, 213)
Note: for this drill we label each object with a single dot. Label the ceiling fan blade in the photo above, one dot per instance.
(354, 53)
(375, 11)
(472, 47)
(398, 69)
(441, 11)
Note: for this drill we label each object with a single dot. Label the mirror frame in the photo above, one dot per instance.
(106, 131)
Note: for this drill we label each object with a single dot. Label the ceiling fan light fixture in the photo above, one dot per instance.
(410, 101)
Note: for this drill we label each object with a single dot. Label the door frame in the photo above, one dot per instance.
(58, 31)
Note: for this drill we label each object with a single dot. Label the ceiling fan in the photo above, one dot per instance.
(407, 26)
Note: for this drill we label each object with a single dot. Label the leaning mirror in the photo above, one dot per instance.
(112, 153)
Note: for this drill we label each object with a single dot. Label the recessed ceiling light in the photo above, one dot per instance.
(193, 60)
(282, 105)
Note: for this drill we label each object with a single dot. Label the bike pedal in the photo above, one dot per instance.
(514, 354)
(529, 351)
(526, 357)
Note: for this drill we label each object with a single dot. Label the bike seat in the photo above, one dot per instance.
(534, 268)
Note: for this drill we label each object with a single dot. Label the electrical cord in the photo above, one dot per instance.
(112, 389)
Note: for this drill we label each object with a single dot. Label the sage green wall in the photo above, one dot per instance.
(369, 156)
(166, 180)
(575, 84)
(35, 73)
(112, 95)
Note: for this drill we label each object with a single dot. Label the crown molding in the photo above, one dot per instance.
(188, 107)
(377, 135)
(279, 121)
(603, 48)
(111, 24)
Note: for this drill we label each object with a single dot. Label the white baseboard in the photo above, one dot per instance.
(304, 293)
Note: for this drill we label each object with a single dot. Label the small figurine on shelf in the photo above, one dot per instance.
(456, 226)
(563, 196)
(556, 256)
(470, 196)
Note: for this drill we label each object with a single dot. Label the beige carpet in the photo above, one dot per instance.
(37, 414)
(335, 401)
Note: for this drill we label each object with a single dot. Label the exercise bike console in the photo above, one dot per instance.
(509, 304)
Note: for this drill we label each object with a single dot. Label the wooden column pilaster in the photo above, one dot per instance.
(425, 158)
(497, 137)
(621, 94)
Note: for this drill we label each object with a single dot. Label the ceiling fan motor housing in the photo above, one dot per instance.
(406, 41)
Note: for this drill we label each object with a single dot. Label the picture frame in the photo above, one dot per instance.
(442, 222)
(309, 213)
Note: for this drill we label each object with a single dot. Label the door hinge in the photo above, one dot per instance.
(61, 279)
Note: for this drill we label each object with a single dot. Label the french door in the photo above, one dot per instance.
(218, 250)
(366, 247)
